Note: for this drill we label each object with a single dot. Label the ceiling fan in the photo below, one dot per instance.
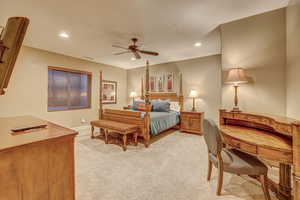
(135, 50)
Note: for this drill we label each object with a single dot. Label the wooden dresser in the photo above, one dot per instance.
(191, 122)
(271, 138)
(36, 164)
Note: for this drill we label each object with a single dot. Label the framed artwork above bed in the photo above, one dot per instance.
(170, 81)
(109, 92)
(161, 82)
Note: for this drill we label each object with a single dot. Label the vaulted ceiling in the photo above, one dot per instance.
(171, 27)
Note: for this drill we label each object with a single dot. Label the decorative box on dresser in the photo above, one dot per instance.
(191, 122)
(36, 164)
(126, 107)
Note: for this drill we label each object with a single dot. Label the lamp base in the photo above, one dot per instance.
(236, 110)
(193, 110)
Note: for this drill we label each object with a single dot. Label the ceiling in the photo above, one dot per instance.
(171, 27)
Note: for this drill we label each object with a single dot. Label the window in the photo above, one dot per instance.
(68, 89)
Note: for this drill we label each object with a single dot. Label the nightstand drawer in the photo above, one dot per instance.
(194, 116)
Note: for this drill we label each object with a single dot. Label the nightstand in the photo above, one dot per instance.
(191, 122)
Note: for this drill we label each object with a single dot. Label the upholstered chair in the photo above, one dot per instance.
(230, 160)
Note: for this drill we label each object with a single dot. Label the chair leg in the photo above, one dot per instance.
(209, 170)
(135, 138)
(264, 184)
(92, 135)
(106, 136)
(124, 142)
(220, 175)
(220, 181)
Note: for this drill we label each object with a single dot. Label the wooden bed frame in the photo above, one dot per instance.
(131, 117)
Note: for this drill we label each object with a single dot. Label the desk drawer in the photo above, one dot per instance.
(241, 145)
(270, 154)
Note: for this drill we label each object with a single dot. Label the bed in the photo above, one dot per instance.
(150, 123)
(162, 121)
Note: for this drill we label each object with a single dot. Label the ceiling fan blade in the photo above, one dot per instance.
(149, 52)
(136, 54)
(122, 52)
(117, 46)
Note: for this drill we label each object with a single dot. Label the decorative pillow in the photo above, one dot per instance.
(160, 106)
(174, 106)
(144, 107)
(136, 104)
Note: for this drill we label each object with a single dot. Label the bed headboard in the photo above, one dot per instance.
(165, 96)
(172, 96)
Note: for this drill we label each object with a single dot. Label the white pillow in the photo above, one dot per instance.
(139, 99)
(174, 106)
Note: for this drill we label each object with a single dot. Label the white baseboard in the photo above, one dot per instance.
(83, 130)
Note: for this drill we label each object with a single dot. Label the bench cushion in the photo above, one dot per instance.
(113, 125)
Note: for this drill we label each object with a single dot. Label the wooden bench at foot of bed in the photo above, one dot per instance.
(117, 127)
(131, 118)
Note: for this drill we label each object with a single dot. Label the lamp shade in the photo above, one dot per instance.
(133, 94)
(193, 94)
(236, 76)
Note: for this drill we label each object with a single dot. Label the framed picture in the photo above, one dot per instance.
(170, 82)
(109, 92)
(160, 82)
(152, 83)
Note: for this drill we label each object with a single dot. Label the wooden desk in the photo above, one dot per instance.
(37, 164)
(269, 137)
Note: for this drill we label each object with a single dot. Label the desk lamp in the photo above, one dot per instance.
(236, 76)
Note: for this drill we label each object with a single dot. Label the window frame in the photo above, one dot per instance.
(89, 78)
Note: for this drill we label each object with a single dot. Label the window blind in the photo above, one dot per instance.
(68, 90)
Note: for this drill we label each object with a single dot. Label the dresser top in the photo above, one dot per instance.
(10, 139)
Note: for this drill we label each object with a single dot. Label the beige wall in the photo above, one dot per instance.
(202, 74)
(28, 89)
(257, 44)
(293, 59)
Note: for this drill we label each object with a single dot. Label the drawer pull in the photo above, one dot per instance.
(241, 145)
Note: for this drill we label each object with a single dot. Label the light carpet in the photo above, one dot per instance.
(172, 168)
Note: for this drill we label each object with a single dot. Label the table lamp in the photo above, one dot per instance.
(193, 94)
(236, 76)
(133, 95)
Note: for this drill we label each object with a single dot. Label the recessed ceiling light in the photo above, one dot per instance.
(64, 35)
(133, 58)
(198, 44)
